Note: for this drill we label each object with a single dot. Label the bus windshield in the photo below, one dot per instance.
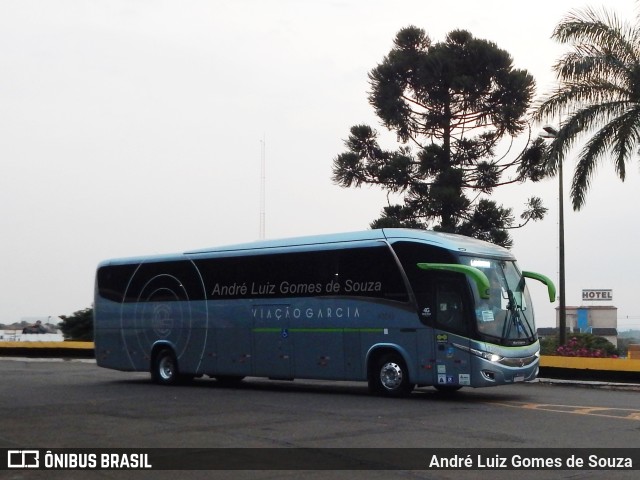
(507, 314)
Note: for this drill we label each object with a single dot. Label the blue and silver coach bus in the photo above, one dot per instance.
(393, 307)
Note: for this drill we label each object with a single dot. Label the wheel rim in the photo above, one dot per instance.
(166, 368)
(391, 376)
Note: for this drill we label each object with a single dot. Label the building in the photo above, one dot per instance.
(598, 320)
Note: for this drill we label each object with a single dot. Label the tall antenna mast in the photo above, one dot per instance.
(263, 177)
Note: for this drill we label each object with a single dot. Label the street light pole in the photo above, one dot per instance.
(562, 313)
(562, 323)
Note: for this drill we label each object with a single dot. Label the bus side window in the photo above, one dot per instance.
(450, 311)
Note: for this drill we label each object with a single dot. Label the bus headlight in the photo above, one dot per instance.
(492, 357)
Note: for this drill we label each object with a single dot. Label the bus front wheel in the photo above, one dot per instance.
(390, 376)
(164, 368)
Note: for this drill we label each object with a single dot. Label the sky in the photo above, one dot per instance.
(132, 127)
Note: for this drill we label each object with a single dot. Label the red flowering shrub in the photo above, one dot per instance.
(587, 345)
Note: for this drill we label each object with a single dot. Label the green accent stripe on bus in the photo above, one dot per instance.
(318, 330)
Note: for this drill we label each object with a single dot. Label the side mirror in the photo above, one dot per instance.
(551, 288)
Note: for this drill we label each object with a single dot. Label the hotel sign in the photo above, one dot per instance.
(597, 295)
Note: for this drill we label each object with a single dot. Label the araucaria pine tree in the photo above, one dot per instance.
(450, 104)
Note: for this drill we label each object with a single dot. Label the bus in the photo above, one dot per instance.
(393, 307)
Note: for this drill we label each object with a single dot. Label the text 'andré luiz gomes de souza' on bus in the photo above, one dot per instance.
(287, 288)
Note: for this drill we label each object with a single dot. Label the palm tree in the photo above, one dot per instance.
(598, 93)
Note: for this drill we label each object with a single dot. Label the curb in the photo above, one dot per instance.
(631, 387)
(591, 375)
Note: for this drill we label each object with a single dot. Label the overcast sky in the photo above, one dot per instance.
(132, 127)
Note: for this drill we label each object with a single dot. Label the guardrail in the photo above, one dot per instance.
(588, 368)
(47, 349)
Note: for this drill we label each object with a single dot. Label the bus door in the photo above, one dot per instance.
(272, 342)
(231, 334)
(451, 328)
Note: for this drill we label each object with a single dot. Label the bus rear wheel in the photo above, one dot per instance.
(164, 368)
(390, 377)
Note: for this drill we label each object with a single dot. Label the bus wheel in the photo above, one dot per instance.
(164, 368)
(390, 377)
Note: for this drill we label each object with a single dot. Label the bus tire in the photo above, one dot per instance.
(164, 368)
(390, 376)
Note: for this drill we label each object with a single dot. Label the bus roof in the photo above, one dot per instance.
(448, 241)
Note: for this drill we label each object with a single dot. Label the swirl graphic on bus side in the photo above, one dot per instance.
(165, 302)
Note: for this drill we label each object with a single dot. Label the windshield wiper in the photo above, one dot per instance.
(514, 319)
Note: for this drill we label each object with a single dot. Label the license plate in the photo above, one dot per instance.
(518, 378)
